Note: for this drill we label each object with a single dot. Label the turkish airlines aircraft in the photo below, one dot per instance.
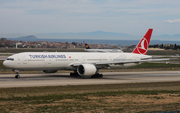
(102, 50)
(82, 63)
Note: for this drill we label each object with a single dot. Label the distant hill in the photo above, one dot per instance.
(101, 35)
(96, 35)
(27, 37)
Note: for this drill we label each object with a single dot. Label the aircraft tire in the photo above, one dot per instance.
(71, 74)
(100, 75)
(74, 74)
(17, 76)
(97, 76)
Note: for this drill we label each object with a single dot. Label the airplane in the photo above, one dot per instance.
(82, 63)
(101, 50)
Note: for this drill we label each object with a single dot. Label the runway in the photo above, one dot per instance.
(3, 57)
(58, 79)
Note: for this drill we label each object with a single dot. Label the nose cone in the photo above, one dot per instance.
(5, 63)
(8, 64)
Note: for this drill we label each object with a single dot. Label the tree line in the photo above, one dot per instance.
(165, 46)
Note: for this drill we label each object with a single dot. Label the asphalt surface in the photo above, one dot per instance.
(56, 79)
(3, 57)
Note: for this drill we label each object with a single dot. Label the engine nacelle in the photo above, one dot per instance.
(86, 70)
(49, 71)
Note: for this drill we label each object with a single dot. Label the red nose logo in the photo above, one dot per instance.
(142, 47)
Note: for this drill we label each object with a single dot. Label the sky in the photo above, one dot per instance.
(133, 17)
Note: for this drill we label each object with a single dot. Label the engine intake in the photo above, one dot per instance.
(86, 70)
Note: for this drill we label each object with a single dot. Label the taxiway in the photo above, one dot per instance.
(55, 79)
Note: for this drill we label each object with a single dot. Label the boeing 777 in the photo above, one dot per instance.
(82, 63)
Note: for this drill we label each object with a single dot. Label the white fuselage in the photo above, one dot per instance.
(105, 50)
(64, 60)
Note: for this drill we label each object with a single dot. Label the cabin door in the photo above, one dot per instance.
(24, 60)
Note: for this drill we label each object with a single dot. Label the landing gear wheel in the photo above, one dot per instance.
(97, 76)
(17, 76)
(74, 74)
(100, 75)
(71, 74)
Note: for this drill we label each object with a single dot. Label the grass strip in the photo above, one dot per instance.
(139, 97)
(81, 96)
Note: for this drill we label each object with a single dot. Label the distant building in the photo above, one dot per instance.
(3, 39)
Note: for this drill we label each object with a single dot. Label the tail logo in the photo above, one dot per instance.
(142, 48)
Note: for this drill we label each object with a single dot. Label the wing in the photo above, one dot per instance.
(121, 62)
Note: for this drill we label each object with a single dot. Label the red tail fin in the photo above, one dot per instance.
(143, 45)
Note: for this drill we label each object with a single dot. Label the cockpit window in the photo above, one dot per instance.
(12, 59)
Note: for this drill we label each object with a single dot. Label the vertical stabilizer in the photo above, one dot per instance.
(143, 45)
(87, 46)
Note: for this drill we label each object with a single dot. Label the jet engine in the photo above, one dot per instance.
(86, 70)
(49, 71)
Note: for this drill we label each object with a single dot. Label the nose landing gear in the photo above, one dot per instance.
(17, 74)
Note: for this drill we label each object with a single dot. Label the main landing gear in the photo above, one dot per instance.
(17, 74)
(75, 74)
(97, 75)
